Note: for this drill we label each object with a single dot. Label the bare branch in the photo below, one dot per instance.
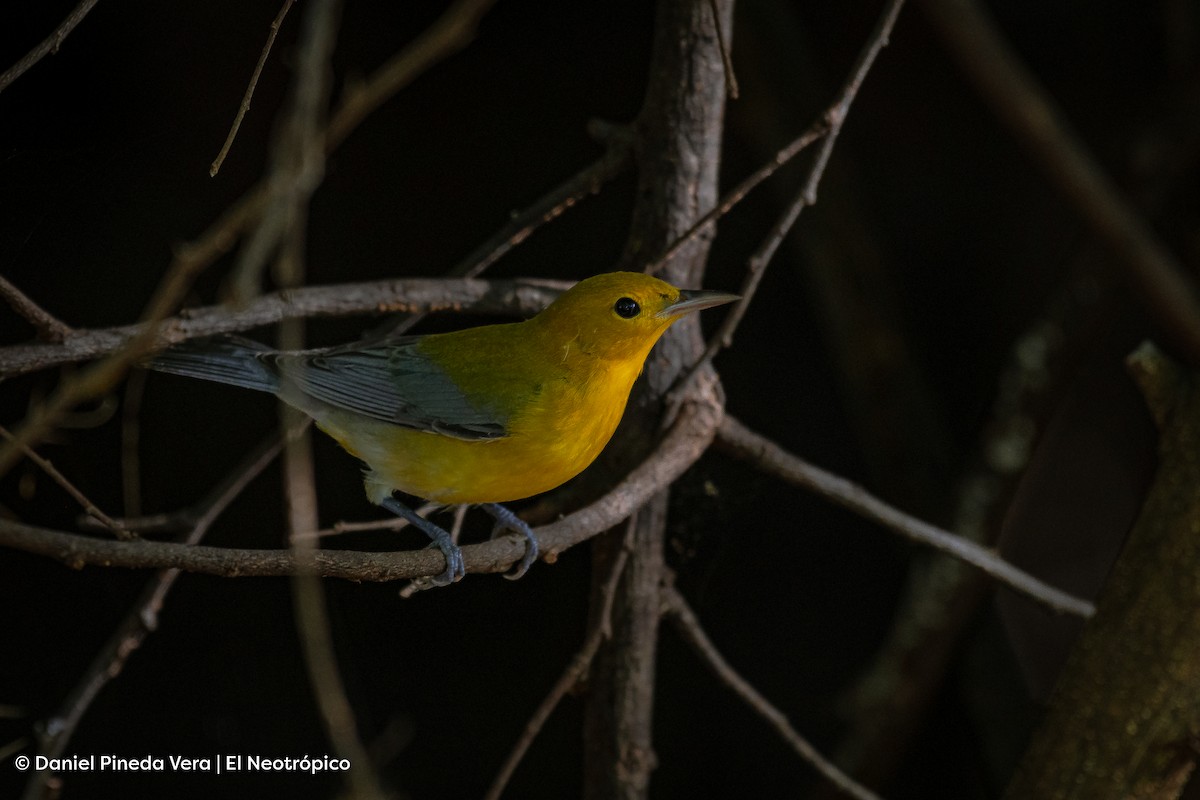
(523, 297)
(617, 156)
(740, 441)
(680, 613)
(450, 33)
(834, 118)
(48, 45)
(88, 506)
(1027, 108)
(245, 106)
(739, 192)
(683, 443)
(131, 430)
(49, 327)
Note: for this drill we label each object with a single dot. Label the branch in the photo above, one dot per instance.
(245, 106)
(739, 441)
(49, 327)
(450, 33)
(834, 118)
(48, 45)
(680, 613)
(90, 508)
(683, 444)
(523, 297)
(1122, 719)
(618, 155)
(1022, 103)
(891, 697)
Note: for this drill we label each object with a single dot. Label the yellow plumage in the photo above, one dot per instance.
(484, 415)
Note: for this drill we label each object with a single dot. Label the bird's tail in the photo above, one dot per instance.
(225, 359)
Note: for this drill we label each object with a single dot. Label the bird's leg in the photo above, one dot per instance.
(455, 568)
(507, 519)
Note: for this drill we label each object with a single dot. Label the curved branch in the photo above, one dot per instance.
(693, 431)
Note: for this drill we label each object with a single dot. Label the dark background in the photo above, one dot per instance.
(104, 154)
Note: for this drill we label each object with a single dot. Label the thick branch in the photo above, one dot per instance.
(678, 154)
(1123, 718)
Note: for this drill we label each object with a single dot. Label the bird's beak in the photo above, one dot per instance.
(695, 299)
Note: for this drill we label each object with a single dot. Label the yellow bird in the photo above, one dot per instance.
(482, 416)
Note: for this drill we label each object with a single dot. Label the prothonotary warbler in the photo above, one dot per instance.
(481, 416)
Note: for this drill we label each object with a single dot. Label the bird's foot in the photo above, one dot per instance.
(455, 567)
(507, 520)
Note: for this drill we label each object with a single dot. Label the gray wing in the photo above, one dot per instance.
(391, 382)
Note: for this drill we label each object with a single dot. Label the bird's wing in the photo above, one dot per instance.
(392, 382)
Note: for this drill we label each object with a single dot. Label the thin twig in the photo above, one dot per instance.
(90, 508)
(740, 441)
(142, 618)
(245, 106)
(49, 327)
(574, 672)
(680, 613)
(297, 164)
(449, 33)
(385, 524)
(731, 84)
(834, 118)
(618, 154)
(739, 192)
(1028, 109)
(48, 45)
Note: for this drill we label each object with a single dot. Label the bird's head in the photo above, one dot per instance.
(620, 315)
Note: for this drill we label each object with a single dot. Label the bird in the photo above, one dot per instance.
(482, 416)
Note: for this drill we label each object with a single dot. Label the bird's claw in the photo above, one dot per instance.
(507, 520)
(456, 568)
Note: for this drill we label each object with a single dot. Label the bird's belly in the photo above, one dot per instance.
(556, 434)
(448, 470)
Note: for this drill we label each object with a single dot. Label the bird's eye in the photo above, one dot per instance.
(627, 307)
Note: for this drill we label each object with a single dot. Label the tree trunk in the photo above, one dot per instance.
(1124, 716)
(678, 146)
